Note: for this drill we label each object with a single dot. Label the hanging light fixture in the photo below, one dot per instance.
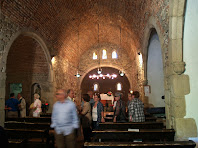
(121, 72)
(94, 76)
(77, 74)
(99, 68)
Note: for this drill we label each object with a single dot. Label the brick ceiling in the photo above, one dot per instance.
(66, 25)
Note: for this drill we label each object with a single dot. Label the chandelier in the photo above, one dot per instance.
(77, 74)
(94, 76)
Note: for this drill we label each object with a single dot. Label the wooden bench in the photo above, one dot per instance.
(31, 119)
(142, 135)
(147, 119)
(46, 115)
(132, 125)
(26, 125)
(16, 143)
(173, 144)
(28, 134)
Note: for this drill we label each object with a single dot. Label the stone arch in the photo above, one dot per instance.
(176, 84)
(108, 84)
(41, 42)
(102, 65)
(32, 34)
(151, 25)
(86, 64)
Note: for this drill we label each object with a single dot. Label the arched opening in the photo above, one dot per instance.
(26, 64)
(107, 83)
(155, 73)
(36, 88)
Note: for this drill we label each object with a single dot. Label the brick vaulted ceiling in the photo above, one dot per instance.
(59, 22)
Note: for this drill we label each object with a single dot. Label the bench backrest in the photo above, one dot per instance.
(142, 135)
(131, 125)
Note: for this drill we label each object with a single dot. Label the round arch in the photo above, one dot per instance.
(107, 84)
(36, 36)
(103, 65)
(151, 25)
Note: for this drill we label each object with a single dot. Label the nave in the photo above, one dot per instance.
(105, 46)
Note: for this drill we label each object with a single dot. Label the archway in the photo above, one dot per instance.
(26, 64)
(106, 84)
(155, 73)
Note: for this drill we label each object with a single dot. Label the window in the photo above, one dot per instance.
(96, 87)
(114, 55)
(95, 56)
(119, 86)
(104, 54)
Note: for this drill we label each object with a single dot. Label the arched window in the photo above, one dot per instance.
(104, 54)
(95, 87)
(95, 56)
(119, 86)
(114, 55)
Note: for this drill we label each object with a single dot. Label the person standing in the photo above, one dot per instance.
(22, 107)
(136, 109)
(64, 120)
(86, 118)
(91, 101)
(119, 112)
(97, 112)
(91, 95)
(12, 105)
(128, 102)
(70, 94)
(36, 106)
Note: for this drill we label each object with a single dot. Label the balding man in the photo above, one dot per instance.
(64, 120)
(70, 94)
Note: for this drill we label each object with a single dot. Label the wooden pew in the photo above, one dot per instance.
(26, 125)
(147, 119)
(172, 144)
(31, 119)
(27, 134)
(17, 143)
(143, 134)
(131, 125)
(46, 115)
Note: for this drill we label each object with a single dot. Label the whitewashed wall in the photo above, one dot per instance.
(190, 56)
(155, 75)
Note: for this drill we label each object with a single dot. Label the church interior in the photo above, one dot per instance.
(103, 46)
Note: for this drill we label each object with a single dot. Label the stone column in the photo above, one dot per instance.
(177, 84)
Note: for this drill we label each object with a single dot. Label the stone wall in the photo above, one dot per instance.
(122, 63)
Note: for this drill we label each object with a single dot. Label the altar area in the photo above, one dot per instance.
(107, 101)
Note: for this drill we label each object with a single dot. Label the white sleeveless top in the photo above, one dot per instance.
(94, 114)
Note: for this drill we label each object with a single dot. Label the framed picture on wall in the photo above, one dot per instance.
(147, 90)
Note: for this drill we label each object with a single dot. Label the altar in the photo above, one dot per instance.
(106, 97)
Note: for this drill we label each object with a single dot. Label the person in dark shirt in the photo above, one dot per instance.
(12, 105)
(119, 112)
(136, 109)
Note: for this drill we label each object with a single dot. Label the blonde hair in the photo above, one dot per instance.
(37, 96)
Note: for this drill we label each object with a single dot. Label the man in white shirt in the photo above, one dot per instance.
(22, 106)
(70, 94)
(65, 120)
